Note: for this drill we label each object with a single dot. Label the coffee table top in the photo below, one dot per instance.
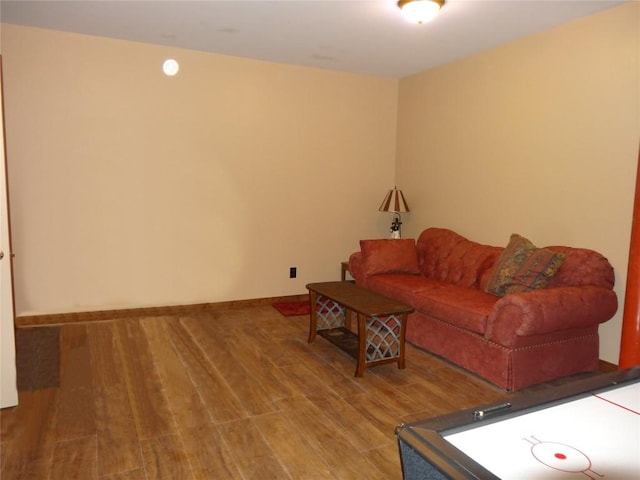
(359, 299)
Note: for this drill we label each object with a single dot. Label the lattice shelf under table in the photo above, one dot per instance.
(379, 338)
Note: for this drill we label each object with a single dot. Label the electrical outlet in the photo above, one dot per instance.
(293, 271)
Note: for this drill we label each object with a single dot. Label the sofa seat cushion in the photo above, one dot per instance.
(466, 308)
(402, 287)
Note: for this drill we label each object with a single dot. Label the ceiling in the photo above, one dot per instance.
(367, 37)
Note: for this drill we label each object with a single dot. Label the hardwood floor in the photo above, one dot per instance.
(232, 394)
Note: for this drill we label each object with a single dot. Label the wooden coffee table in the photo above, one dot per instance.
(382, 322)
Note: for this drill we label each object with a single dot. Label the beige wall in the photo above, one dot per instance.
(539, 136)
(130, 188)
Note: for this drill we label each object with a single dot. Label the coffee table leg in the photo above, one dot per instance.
(313, 320)
(362, 344)
(403, 331)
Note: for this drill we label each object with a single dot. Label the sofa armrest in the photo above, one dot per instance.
(355, 266)
(545, 311)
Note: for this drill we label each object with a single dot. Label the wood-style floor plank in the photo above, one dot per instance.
(376, 412)
(28, 433)
(293, 447)
(386, 459)
(350, 421)
(247, 347)
(75, 459)
(255, 459)
(76, 407)
(320, 431)
(151, 413)
(165, 457)
(208, 453)
(138, 474)
(235, 394)
(115, 425)
(185, 402)
(254, 398)
(220, 400)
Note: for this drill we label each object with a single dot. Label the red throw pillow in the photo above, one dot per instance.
(389, 256)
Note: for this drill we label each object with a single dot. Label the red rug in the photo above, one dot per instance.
(292, 309)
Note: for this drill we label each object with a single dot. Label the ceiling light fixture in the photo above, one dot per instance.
(170, 67)
(420, 11)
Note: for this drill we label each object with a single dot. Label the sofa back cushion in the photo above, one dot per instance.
(449, 257)
(389, 256)
(582, 267)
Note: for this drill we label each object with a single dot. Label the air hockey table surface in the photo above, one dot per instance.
(589, 429)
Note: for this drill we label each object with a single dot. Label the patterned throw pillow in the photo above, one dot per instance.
(522, 267)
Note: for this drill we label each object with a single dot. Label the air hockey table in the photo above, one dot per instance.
(588, 429)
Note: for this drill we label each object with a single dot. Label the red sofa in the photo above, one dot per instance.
(515, 340)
